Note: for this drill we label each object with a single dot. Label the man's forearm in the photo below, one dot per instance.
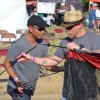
(9, 69)
(46, 61)
(49, 61)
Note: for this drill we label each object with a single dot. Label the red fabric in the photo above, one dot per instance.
(92, 58)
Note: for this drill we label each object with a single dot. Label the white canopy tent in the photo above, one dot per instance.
(13, 15)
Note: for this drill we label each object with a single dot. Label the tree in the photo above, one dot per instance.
(85, 5)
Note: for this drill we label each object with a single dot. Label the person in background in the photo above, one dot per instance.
(30, 9)
(98, 16)
(74, 5)
(92, 17)
(77, 39)
(23, 75)
(58, 16)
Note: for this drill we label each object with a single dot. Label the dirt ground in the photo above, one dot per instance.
(48, 88)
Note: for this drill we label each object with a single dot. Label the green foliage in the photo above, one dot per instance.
(85, 2)
(85, 5)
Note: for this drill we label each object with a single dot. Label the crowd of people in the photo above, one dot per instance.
(94, 17)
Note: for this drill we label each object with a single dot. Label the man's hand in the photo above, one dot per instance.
(73, 46)
(19, 86)
(25, 57)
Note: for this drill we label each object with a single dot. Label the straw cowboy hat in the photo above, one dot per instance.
(72, 18)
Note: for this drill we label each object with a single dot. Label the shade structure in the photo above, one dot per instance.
(13, 15)
(95, 0)
(51, 1)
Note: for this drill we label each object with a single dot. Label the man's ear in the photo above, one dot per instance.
(30, 28)
(80, 25)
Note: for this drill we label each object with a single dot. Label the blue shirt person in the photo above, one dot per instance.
(92, 18)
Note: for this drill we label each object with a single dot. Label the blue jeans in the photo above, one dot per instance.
(17, 95)
(63, 98)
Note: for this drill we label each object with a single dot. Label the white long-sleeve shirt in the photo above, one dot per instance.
(97, 13)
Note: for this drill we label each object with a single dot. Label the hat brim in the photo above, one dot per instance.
(68, 24)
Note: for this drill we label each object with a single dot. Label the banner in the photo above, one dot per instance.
(47, 7)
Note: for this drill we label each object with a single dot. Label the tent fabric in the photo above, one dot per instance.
(79, 76)
(14, 15)
(92, 58)
(95, 0)
(79, 80)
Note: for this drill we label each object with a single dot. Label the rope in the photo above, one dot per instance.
(54, 45)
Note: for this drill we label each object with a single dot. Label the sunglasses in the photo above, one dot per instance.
(69, 28)
(41, 29)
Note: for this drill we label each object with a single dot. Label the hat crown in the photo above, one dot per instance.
(94, 4)
(73, 16)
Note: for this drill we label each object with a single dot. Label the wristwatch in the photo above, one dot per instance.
(81, 46)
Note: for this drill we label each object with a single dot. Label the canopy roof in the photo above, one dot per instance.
(95, 0)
